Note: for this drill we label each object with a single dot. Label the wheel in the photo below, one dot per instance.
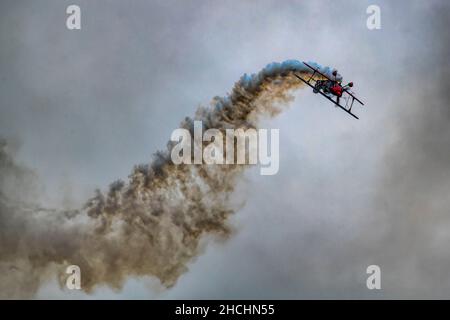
(316, 87)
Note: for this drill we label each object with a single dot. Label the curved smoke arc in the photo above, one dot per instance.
(150, 225)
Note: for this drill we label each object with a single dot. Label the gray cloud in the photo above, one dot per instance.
(87, 106)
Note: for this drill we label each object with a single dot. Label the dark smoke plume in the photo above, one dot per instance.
(149, 226)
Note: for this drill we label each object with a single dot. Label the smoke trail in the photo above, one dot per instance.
(150, 226)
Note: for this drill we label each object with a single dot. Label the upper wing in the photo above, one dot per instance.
(317, 71)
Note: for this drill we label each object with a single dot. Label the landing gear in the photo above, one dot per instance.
(317, 86)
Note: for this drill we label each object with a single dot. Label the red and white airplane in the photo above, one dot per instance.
(331, 88)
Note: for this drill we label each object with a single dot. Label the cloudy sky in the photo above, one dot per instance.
(81, 108)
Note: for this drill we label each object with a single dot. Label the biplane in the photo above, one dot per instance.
(330, 88)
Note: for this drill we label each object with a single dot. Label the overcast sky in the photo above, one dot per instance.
(82, 107)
